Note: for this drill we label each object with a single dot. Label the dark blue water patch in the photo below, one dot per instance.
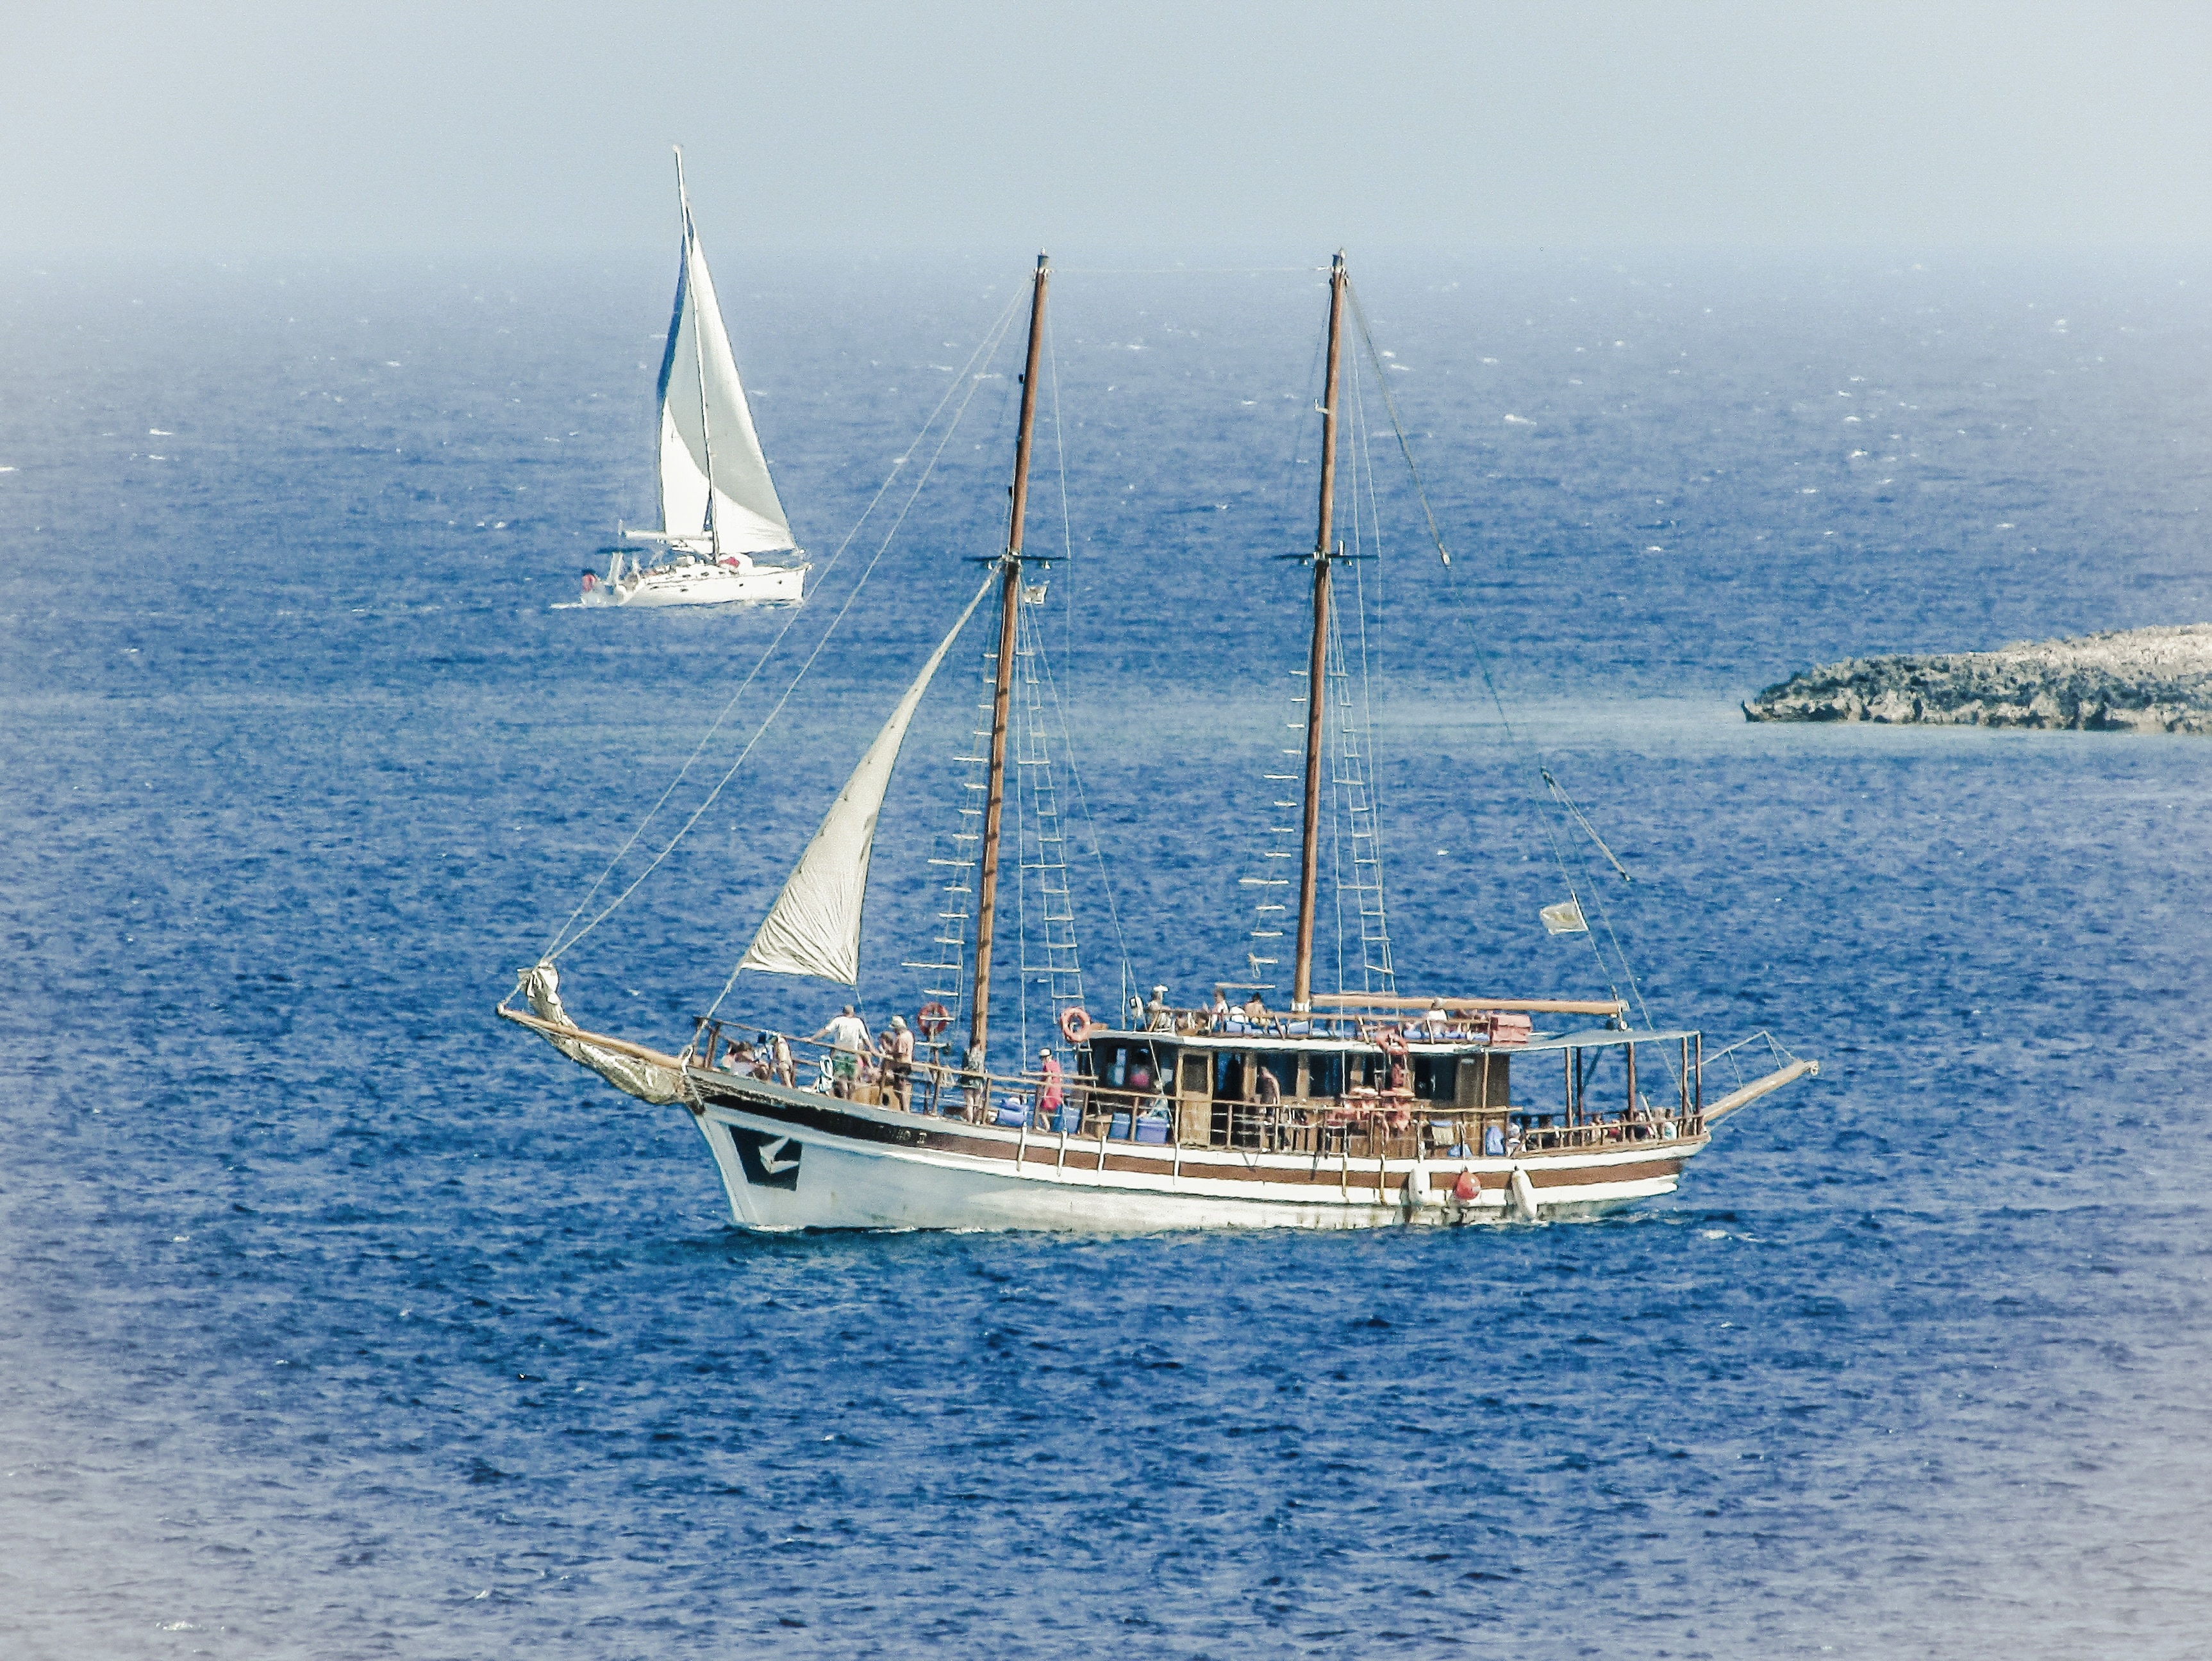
(343, 1320)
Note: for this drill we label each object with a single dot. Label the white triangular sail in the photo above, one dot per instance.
(706, 429)
(814, 927)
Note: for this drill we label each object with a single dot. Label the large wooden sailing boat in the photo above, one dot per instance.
(1351, 1109)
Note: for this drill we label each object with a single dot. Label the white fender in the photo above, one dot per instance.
(1524, 1194)
(1417, 1189)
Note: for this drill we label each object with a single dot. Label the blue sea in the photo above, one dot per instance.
(341, 1318)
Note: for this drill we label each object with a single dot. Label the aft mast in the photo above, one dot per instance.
(1317, 659)
(1002, 687)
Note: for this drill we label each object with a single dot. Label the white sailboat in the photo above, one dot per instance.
(719, 508)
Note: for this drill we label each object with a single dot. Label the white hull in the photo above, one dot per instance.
(704, 584)
(797, 1160)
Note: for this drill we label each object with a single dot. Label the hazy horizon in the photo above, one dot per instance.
(240, 130)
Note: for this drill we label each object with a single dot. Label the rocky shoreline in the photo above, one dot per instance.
(2139, 680)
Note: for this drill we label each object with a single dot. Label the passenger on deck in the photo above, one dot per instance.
(1434, 1022)
(1266, 1090)
(1049, 1093)
(787, 1070)
(1253, 1011)
(1400, 1083)
(847, 1037)
(1220, 1013)
(897, 1048)
(1157, 1016)
(974, 1088)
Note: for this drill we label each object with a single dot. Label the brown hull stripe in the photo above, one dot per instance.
(1084, 1155)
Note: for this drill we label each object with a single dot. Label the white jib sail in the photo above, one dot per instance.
(814, 927)
(706, 427)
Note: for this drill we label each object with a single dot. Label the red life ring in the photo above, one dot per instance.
(1075, 1026)
(1393, 1042)
(932, 1019)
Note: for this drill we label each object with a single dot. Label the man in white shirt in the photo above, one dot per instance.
(847, 1036)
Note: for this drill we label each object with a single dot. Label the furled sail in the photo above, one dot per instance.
(814, 927)
(706, 429)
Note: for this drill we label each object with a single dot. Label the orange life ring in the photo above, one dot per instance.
(1075, 1025)
(1393, 1042)
(932, 1019)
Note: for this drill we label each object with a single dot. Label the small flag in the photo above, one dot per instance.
(1565, 918)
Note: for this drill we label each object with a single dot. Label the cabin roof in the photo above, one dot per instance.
(1590, 1038)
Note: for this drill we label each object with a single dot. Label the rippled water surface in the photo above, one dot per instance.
(340, 1320)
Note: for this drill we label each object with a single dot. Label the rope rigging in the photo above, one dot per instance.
(1528, 754)
(966, 384)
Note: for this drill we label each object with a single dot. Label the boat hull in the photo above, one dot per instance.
(794, 1159)
(705, 585)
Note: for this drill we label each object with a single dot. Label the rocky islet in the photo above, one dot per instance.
(2140, 680)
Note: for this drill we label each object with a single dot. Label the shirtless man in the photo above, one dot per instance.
(897, 1048)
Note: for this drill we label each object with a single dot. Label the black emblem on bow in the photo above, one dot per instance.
(769, 1161)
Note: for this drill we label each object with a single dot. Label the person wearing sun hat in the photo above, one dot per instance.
(897, 1048)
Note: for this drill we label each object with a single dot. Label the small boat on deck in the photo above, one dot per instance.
(1352, 1109)
(719, 508)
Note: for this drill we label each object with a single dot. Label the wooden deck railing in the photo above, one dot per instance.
(1355, 1128)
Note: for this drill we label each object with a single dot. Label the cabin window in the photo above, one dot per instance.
(1325, 1076)
(1435, 1078)
(1110, 1063)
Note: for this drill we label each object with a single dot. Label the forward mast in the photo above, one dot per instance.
(1002, 681)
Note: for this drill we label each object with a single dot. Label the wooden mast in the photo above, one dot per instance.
(1002, 688)
(1318, 658)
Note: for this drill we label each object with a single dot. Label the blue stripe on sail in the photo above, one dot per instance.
(675, 321)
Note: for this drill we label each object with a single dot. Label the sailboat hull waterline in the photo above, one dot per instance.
(704, 583)
(983, 1177)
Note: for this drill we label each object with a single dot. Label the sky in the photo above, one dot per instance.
(231, 128)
